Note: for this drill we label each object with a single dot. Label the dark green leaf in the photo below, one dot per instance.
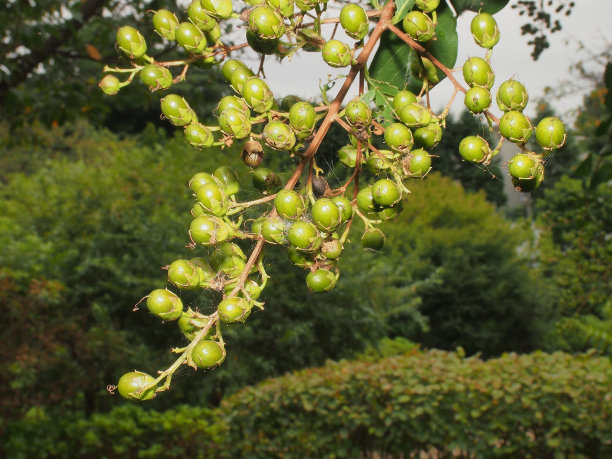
(401, 9)
(488, 6)
(393, 60)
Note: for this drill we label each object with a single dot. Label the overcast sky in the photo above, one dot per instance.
(589, 23)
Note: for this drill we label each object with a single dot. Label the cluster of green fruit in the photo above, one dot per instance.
(313, 221)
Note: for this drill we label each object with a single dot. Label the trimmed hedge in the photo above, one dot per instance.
(537, 405)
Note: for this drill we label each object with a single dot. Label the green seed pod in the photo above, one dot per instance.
(110, 85)
(302, 117)
(484, 30)
(512, 95)
(284, 7)
(199, 179)
(428, 136)
(183, 274)
(332, 249)
(208, 354)
(365, 201)
(417, 163)
(190, 37)
(198, 136)
(427, 5)
(289, 204)
(234, 310)
(239, 78)
(213, 198)
(207, 273)
(300, 258)
(527, 185)
(550, 133)
(165, 24)
(386, 193)
(391, 213)
(358, 113)
(131, 386)
(234, 123)
(373, 240)
(213, 35)
(262, 45)
(164, 304)
(229, 178)
(265, 180)
(218, 9)
(231, 65)
(273, 230)
(377, 163)
(475, 149)
(257, 94)
(515, 127)
(229, 259)
(415, 115)
(326, 215)
(256, 225)
(345, 206)
(337, 54)
(279, 136)
(354, 21)
(304, 236)
(156, 77)
(347, 155)
(321, 280)
(524, 166)
(423, 69)
(233, 102)
(177, 110)
(477, 99)
(399, 138)
(131, 42)
(266, 23)
(189, 324)
(208, 230)
(419, 26)
(477, 72)
(403, 98)
(199, 17)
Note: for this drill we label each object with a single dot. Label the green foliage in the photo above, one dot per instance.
(454, 274)
(538, 405)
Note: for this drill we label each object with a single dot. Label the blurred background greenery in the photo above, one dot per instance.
(93, 202)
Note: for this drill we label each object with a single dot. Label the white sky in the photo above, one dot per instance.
(589, 23)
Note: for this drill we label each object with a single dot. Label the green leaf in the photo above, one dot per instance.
(393, 60)
(489, 6)
(402, 7)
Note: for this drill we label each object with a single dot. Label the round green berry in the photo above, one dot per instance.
(336, 54)
(208, 354)
(131, 42)
(231, 65)
(512, 95)
(273, 230)
(165, 24)
(326, 214)
(278, 136)
(110, 85)
(233, 102)
(190, 37)
(419, 26)
(234, 123)
(183, 274)
(219, 9)
(550, 133)
(321, 280)
(134, 385)
(190, 325)
(477, 72)
(213, 198)
(523, 166)
(354, 21)
(228, 178)
(198, 136)
(234, 310)
(164, 304)
(474, 149)
(386, 193)
(484, 30)
(403, 98)
(239, 77)
(365, 200)
(417, 163)
(399, 137)
(373, 239)
(345, 206)
(428, 136)
(302, 117)
(477, 99)
(199, 17)
(427, 5)
(266, 23)
(265, 180)
(208, 230)
(358, 113)
(257, 94)
(415, 115)
(156, 77)
(515, 127)
(262, 45)
(304, 235)
(289, 204)
(177, 110)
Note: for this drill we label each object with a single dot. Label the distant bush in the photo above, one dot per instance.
(538, 405)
